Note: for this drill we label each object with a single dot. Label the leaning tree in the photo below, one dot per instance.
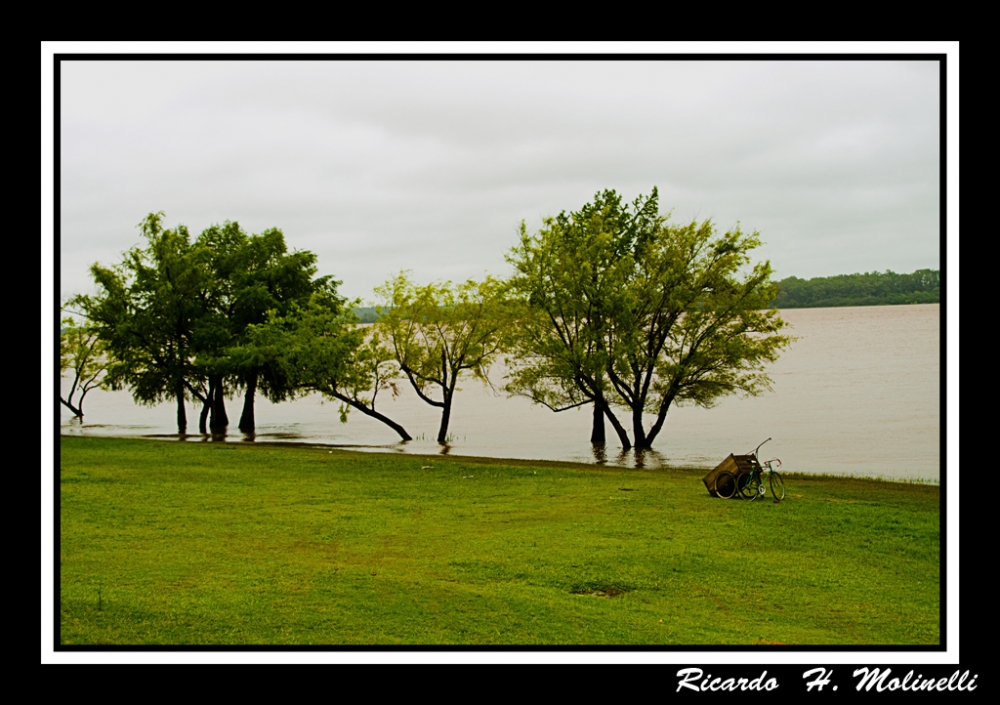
(439, 332)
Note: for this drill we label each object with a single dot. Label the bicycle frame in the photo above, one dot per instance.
(754, 483)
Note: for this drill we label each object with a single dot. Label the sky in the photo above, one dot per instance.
(431, 166)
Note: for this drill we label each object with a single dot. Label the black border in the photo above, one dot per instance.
(941, 58)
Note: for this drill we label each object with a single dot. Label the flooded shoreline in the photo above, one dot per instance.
(858, 394)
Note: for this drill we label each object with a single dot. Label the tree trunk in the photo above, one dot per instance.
(660, 417)
(218, 421)
(597, 434)
(619, 429)
(195, 394)
(79, 404)
(206, 407)
(220, 403)
(638, 432)
(182, 422)
(210, 406)
(76, 412)
(375, 415)
(445, 418)
(247, 421)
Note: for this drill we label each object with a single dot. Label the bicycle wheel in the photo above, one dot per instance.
(777, 486)
(747, 484)
(725, 485)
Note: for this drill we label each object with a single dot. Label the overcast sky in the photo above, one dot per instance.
(379, 166)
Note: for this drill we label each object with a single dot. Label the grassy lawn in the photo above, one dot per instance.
(198, 543)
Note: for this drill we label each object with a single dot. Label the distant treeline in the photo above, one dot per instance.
(862, 289)
(366, 314)
(868, 289)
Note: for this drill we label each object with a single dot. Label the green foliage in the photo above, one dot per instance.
(437, 332)
(562, 284)
(320, 347)
(315, 345)
(147, 310)
(869, 289)
(175, 314)
(626, 309)
(253, 275)
(83, 353)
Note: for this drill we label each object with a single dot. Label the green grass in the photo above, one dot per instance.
(199, 543)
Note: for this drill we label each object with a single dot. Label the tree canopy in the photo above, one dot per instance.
(251, 275)
(174, 315)
(437, 332)
(82, 352)
(320, 347)
(627, 310)
(146, 312)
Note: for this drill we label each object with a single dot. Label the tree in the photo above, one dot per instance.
(145, 314)
(81, 351)
(251, 276)
(633, 312)
(321, 347)
(567, 278)
(175, 315)
(437, 332)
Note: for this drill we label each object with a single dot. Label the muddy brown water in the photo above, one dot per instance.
(858, 393)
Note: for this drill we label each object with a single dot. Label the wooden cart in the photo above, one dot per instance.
(728, 471)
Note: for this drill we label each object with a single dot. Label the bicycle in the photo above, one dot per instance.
(761, 476)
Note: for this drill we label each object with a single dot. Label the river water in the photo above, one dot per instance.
(857, 394)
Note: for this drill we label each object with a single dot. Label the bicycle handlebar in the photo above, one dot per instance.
(758, 448)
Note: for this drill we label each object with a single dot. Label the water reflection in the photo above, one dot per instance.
(636, 458)
(643, 457)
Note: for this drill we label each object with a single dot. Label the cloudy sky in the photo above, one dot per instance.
(379, 166)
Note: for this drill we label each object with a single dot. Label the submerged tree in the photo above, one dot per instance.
(145, 314)
(630, 311)
(175, 314)
(82, 353)
(437, 332)
(568, 278)
(559, 359)
(320, 347)
(252, 275)
(692, 326)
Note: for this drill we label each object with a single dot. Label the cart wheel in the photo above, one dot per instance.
(725, 485)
